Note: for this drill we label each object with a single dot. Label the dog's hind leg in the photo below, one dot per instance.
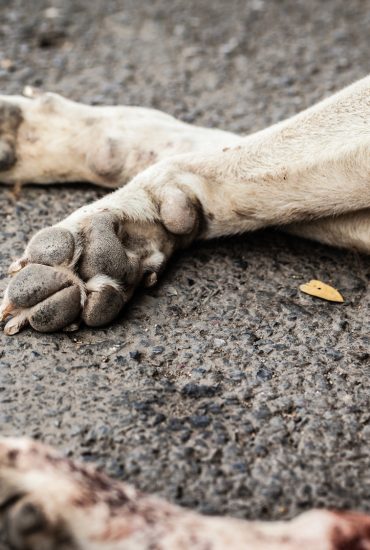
(351, 230)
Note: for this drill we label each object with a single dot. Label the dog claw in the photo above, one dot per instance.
(150, 279)
(5, 311)
(15, 324)
(17, 265)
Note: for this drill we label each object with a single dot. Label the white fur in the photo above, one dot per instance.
(99, 282)
(313, 165)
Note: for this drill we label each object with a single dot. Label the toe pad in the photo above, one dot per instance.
(35, 283)
(51, 246)
(102, 307)
(57, 311)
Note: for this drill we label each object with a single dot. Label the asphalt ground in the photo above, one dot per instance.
(224, 389)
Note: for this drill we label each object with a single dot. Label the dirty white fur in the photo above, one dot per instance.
(99, 282)
(314, 165)
(93, 512)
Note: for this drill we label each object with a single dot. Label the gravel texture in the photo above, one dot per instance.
(224, 389)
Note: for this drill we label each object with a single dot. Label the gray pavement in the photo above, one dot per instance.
(223, 389)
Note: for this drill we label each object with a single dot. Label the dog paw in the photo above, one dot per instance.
(48, 502)
(10, 119)
(29, 518)
(88, 266)
(51, 503)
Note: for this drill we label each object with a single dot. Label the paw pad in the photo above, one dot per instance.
(102, 307)
(7, 155)
(178, 212)
(10, 119)
(35, 283)
(51, 246)
(57, 311)
(27, 519)
(47, 298)
(103, 251)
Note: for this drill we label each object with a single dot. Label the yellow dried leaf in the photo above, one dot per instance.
(321, 290)
(6, 64)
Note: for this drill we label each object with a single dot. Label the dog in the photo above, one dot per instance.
(308, 175)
